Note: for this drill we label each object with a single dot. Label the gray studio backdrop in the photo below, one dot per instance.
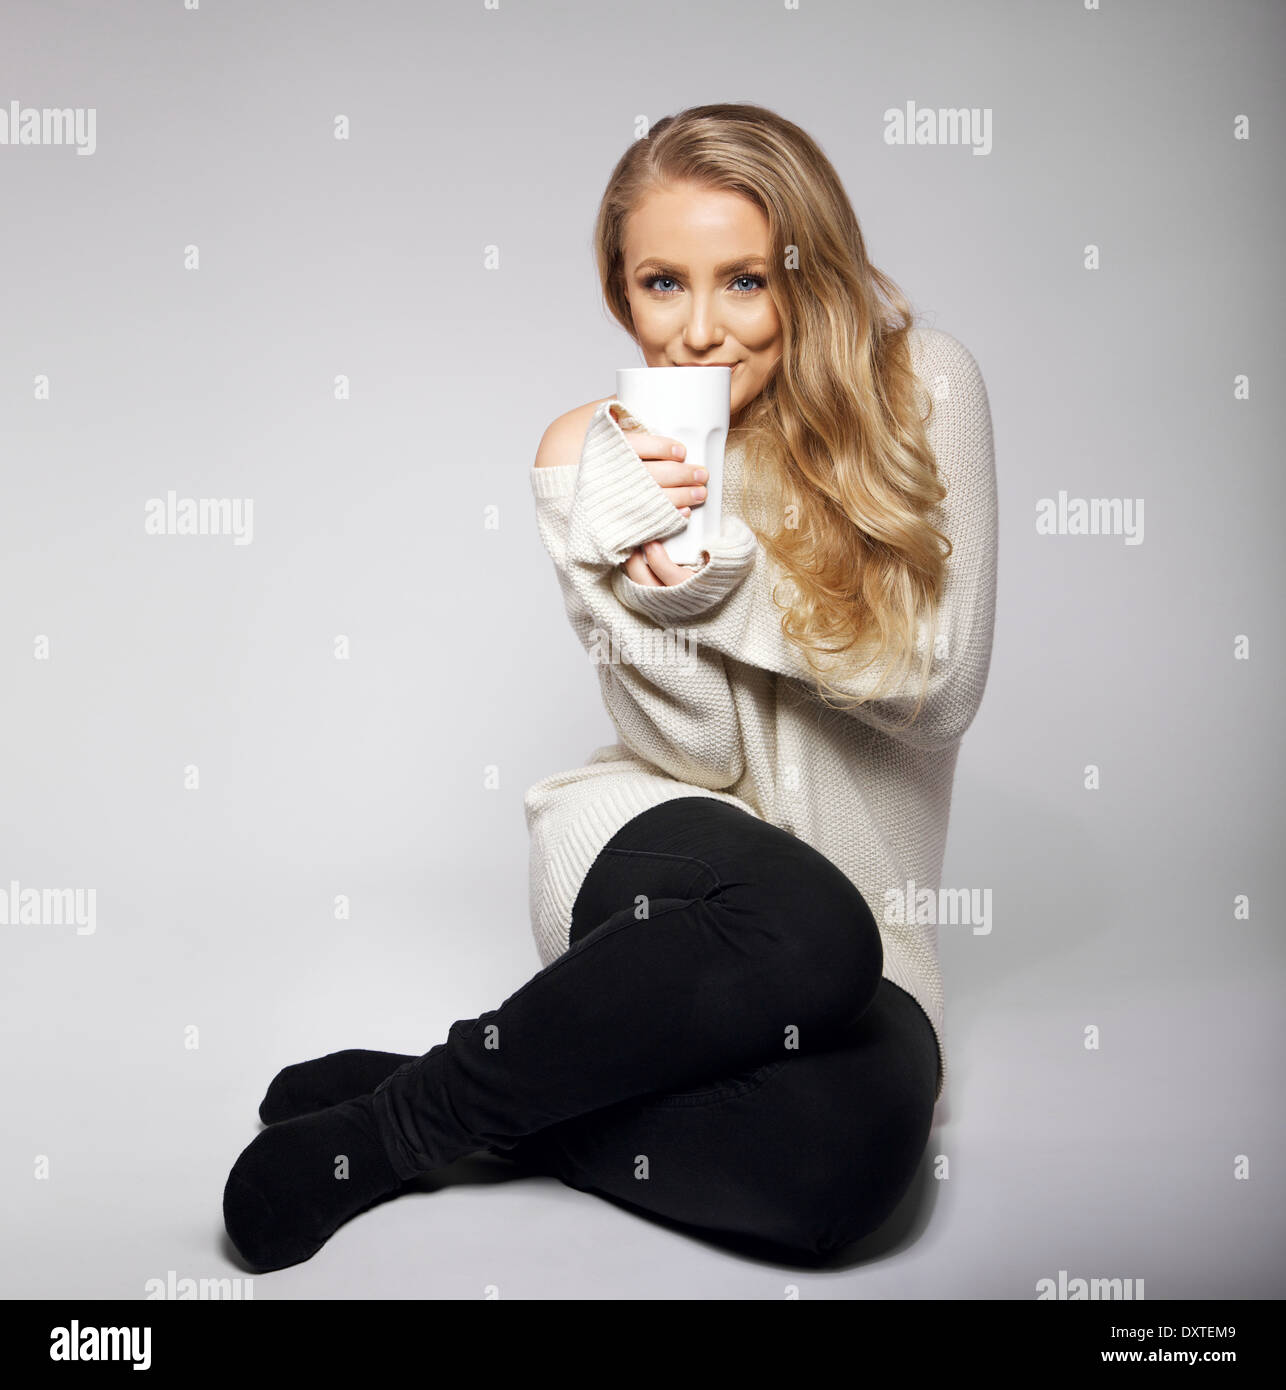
(180, 736)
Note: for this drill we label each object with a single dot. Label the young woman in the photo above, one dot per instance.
(739, 1020)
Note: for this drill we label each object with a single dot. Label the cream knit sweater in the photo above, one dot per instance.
(716, 702)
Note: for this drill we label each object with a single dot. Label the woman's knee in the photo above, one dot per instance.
(848, 1190)
(846, 1131)
(822, 931)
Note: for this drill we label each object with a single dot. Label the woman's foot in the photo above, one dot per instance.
(299, 1180)
(306, 1087)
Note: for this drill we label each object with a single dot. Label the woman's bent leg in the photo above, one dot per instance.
(726, 942)
(810, 1151)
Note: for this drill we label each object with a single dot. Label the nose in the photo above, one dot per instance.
(702, 330)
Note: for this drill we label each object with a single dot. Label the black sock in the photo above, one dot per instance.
(307, 1087)
(300, 1180)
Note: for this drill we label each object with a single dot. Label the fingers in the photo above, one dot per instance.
(654, 446)
(679, 481)
(665, 569)
(651, 566)
(666, 468)
(683, 483)
(665, 458)
(637, 569)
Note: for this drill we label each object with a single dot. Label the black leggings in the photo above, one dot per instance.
(717, 1046)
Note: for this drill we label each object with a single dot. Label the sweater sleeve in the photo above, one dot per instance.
(668, 697)
(618, 506)
(730, 606)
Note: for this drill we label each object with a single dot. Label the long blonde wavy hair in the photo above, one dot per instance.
(840, 475)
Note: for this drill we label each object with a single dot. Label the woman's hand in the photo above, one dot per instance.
(682, 484)
(651, 565)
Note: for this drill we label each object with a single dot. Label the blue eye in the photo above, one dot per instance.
(758, 282)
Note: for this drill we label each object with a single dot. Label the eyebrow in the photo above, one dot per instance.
(725, 269)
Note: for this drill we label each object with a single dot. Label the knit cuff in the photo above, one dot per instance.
(732, 556)
(618, 504)
(554, 482)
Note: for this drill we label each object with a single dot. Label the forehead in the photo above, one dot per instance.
(706, 224)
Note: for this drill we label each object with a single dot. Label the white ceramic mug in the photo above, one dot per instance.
(692, 405)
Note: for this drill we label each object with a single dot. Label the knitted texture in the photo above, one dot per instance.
(709, 698)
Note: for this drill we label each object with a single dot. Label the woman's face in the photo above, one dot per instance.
(695, 261)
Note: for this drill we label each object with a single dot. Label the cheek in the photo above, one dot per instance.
(764, 334)
(653, 331)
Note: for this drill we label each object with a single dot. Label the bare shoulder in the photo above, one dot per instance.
(562, 442)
